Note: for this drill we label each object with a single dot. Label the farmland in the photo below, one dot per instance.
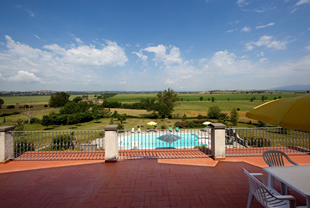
(189, 104)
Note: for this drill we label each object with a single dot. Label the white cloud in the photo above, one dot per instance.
(187, 76)
(268, 42)
(122, 83)
(294, 10)
(261, 54)
(24, 76)
(160, 54)
(27, 10)
(264, 26)
(140, 55)
(168, 81)
(231, 30)
(59, 65)
(300, 2)
(78, 40)
(38, 37)
(263, 60)
(245, 29)
(242, 3)
(223, 62)
(308, 47)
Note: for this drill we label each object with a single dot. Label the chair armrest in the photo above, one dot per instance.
(289, 198)
(259, 175)
(292, 162)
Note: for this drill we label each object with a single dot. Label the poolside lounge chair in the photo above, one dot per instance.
(170, 129)
(139, 131)
(177, 129)
(155, 129)
(132, 130)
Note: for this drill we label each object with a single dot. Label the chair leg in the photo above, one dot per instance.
(283, 189)
(250, 200)
(270, 181)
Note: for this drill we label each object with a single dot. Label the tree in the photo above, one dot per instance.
(122, 117)
(46, 121)
(77, 99)
(59, 99)
(27, 112)
(223, 117)
(200, 98)
(169, 98)
(19, 125)
(234, 116)
(1, 103)
(212, 99)
(214, 112)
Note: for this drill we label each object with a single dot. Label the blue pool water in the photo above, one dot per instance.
(150, 141)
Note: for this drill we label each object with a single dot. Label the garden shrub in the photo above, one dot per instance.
(63, 142)
(258, 142)
(170, 117)
(10, 107)
(23, 146)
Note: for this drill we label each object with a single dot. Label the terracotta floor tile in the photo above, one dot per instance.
(197, 182)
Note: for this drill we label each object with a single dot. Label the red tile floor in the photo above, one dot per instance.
(200, 182)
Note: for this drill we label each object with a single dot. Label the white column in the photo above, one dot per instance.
(218, 141)
(111, 143)
(6, 143)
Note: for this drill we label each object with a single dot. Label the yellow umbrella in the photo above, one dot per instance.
(151, 123)
(291, 113)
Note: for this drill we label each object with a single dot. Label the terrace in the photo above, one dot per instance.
(174, 177)
(198, 182)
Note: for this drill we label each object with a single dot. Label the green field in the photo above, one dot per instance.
(191, 106)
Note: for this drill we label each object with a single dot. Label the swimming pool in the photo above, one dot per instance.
(150, 141)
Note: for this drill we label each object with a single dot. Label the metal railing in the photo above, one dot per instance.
(58, 144)
(164, 143)
(254, 141)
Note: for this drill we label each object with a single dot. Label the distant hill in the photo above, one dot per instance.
(293, 88)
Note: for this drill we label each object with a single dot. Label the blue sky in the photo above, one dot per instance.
(150, 45)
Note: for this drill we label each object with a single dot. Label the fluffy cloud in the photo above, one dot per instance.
(308, 47)
(246, 29)
(24, 76)
(268, 42)
(55, 64)
(264, 26)
(223, 62)
(161, 55)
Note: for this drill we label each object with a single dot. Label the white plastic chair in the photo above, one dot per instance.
(269, 198)
(275, 158)
(132, 130)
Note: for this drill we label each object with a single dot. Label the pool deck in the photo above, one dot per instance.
(180, 183)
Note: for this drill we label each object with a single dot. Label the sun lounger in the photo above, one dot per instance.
(177, 129)
(132, 130)
(170, 129)
(139, 131)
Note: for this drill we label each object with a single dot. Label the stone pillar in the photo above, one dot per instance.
(218, 141)
(6, 143)
(111, 143)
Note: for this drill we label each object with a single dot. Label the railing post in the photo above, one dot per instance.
(111, 143)
(6, 143)
(218, 141)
